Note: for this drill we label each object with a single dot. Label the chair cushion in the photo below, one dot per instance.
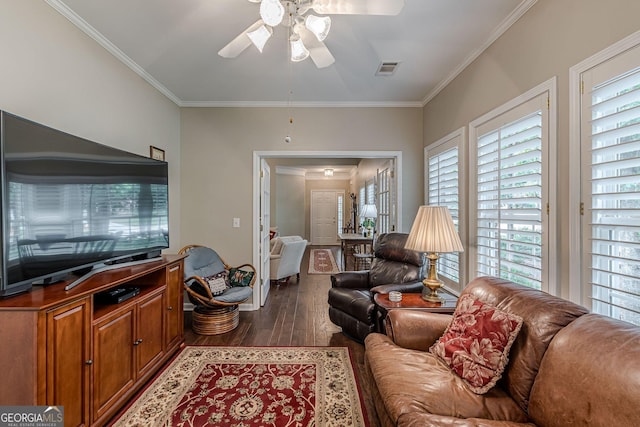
(417, 381)
(393, 263)
(203, 262)
(236, 294)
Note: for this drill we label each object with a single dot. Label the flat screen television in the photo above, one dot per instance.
(70, 205)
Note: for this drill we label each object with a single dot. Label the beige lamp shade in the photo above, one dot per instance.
(433, 231)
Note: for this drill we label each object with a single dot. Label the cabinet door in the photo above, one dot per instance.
(113, 364)
(150, 332)
(175, 317)
(68, 360)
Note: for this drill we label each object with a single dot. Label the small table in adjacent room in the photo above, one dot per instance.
(349, 242)
(414, 301)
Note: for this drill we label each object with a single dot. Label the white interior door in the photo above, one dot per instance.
(324, 215)
(265, 224)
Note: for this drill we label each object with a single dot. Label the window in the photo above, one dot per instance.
(371, 192)
(361, 202)
(443, 177)
(367, 196)
(511, 182)
(610, 195)
(383, 225)
(340, 202)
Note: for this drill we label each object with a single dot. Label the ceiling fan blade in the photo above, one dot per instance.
(318, 51)
(358, 7)
(240, 43)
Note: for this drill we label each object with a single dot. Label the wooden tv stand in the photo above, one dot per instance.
(66, 348)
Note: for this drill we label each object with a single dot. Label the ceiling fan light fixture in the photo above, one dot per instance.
(271, 12)
(260, 36)
(319, 26)
(298, 50)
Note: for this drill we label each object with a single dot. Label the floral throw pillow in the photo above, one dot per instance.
(476, 343)
(239, 277)
(217, 283)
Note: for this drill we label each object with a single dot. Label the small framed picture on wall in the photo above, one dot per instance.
(156, 153)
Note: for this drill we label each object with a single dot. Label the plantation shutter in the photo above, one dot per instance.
(340, 213)
(361, 204)
(444, 190)
(611, 186)
(509, 220)
(371, 192)
(384, 201)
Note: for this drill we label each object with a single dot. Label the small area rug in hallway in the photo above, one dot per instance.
(251, 386)
(321, 261)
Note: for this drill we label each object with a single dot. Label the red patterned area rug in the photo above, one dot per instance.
(321, 261)
(252, 386)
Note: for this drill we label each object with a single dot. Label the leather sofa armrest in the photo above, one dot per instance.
(423, 419)
(411, 287)
(351, 280)
(414, 329)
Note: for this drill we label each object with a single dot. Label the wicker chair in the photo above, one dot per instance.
(219, 313)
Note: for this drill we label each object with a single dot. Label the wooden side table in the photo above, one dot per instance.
(414, 301)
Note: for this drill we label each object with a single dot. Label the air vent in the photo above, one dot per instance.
(387, 68)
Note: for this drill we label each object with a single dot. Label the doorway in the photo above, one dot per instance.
(324, 216)
(259, 232)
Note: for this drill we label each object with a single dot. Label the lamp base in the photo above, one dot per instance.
(430, 291)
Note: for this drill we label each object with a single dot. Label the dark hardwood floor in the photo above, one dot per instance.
(295, 314)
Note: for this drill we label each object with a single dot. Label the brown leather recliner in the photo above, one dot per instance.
(351, 303)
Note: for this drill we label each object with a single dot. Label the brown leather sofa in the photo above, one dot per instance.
(393, 268)
(567, 367)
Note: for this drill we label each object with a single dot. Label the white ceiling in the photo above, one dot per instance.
(173, 44)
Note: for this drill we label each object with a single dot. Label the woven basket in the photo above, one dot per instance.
(214, 321)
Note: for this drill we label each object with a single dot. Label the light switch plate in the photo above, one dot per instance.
(236, 222)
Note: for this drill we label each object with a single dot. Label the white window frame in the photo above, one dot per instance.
(456, 139)
(549, 246)
(579, 288)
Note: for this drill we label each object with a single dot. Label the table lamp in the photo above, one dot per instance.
(370, 214)
(433, 232)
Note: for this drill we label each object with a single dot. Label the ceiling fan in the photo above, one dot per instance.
(306, 31)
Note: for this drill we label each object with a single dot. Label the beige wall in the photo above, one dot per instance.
(289, 192)
(550, 38)
(54, 74)
(217, 160)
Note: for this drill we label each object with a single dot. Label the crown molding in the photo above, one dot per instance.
(497, 32)
(285, 104)
(289, 170)
(84, 26)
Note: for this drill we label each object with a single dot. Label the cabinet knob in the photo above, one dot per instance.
(138, 341)
(170, 308)
(89, 362)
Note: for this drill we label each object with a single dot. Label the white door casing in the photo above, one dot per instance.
(258, 156)
(265, 224)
